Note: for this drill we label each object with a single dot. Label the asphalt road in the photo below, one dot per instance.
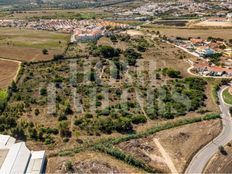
(201, 159)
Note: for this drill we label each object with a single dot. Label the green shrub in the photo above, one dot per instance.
(105, 51)
(131, 56)
(68, 166)
(43, 91)
(3, 99)
(37, 112)
(139, 119)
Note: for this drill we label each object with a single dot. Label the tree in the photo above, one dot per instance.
(139, 119)
(64, 129)
(124, 125)
(222, 150)
(131, 56)
(37, 112)
(67, 108)
(69, 166)
(105, 51)
(58, 57)
(33, 133)
(106, 125)
(171, 73)
(14, 87)
(3, 99)
(92, 75)
(18, 133)
(45, 51)
(43, 91)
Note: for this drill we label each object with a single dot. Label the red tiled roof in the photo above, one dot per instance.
(196, 41)
(216, 69)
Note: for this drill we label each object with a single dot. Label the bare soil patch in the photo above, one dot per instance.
(194, 32)
(89, 162)
(221, 163)
(27, 45)
(180, 143)
(8, 71)
(214, 24)
(25, 53)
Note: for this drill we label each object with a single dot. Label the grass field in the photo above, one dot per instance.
(57, 14)
(3, 99)
(8, 72)
(27, 45)
(192, 32)
(227, 97)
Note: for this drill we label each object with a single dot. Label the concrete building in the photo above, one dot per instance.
(17, 158)
(229, 15)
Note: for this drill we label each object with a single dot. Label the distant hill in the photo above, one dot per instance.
(64, 4)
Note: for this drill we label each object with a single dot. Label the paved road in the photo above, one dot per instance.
(201, 159)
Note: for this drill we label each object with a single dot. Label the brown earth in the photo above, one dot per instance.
(192, 32)
(25, 53)
(27, 45)
(221, 163)
(8, 71)
(89, 162)
(179, 143)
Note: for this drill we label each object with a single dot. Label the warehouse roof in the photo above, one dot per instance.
(17, 158)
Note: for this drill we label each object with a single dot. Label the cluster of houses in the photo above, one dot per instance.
(82, 30)
(94, 31)
(179, 8)
(205, 69)
(204, 50)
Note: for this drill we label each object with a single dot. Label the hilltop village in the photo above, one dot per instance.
(82, 30)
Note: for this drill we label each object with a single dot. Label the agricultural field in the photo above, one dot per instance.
(204, 33)
(213, 24)
(56, 14)
(27, 45)
(8, 72)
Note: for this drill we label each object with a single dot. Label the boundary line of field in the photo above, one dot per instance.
(16, 61)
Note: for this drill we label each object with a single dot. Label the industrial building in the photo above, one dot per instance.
(17, 158)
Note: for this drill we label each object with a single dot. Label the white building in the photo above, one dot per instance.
(229, 15)
(17, 158)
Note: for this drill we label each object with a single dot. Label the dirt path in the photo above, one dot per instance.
(102, 72)
(155, 157)
(138, 98)
(166, 156)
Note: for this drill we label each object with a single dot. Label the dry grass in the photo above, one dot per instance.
(179, 143)
(27, 45)
(193, 32)
(55, 163)
(220, 163)
(213, 24)
(8, 72)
